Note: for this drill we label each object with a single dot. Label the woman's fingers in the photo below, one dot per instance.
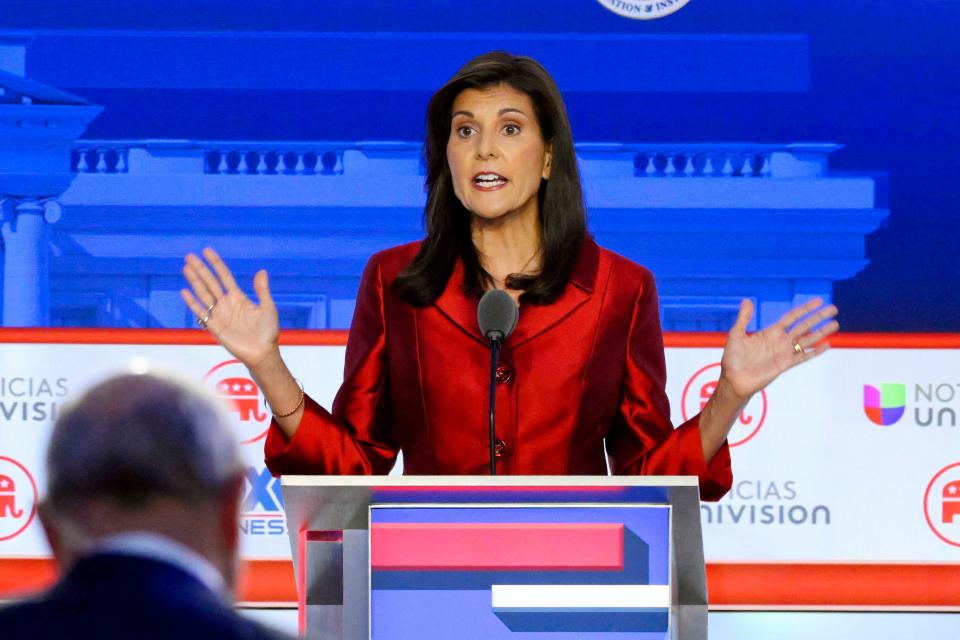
(205, 276)
(803, 327)
(810, 339)
(813, 344)
(810, 354)
(198, 309)
(261, 284)
(820, 348)
(796, 313)
(226, 277)
(743, 316)
(200, 289)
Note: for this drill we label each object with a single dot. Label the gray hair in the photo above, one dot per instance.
(135, 437)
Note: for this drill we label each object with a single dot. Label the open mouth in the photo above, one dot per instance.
(489, 180)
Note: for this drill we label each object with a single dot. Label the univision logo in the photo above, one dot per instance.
(884, 406)
(931, 403)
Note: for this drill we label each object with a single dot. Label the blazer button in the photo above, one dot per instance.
(499, 448)
(504, 374)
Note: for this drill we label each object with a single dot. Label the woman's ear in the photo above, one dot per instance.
(547, 158)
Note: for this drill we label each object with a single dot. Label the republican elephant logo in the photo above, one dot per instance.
(18, 498)
(941, 504)
(231, 381)
(8, 498)
(707, 390)
(951, 502)
(702, 385)
(243, 397)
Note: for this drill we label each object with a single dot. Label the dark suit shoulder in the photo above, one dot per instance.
(21, 620)
(112, 596)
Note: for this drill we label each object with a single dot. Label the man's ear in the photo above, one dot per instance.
(547, 161)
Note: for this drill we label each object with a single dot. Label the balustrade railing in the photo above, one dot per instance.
(698, 163)
(99, 157)
(273, 161)
(716, 160)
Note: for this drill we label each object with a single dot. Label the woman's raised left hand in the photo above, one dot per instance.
(752, 361)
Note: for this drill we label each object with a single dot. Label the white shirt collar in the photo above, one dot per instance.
(156, 547)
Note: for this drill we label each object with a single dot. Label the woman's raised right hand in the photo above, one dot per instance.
(248, 330)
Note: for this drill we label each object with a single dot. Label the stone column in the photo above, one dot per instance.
(38, 128)
(26, 260)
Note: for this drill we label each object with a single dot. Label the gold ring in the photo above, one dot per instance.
(797, 348)
(210, 309)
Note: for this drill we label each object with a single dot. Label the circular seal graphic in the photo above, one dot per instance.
(941, 504)
(18, 498)
(231, 381)
(699, 389)
(643, 9)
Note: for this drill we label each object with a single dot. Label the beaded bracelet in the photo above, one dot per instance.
(295, 409)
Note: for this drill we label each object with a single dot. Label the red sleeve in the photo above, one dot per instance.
(356, 436)
(642, 440)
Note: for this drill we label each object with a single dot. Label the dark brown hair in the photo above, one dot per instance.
(560, 199)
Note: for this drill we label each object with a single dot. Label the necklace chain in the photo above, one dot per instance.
(521, 270)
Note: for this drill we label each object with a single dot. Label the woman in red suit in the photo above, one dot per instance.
(581, 381)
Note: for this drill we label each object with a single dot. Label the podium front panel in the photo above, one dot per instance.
(601, 571)
(536, 557)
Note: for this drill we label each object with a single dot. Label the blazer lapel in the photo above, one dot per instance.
(458, 307)
(534, 318)
(537, 318)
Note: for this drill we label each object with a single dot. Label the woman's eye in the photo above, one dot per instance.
(511, 129)
(464, 131)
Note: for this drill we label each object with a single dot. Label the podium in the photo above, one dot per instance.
(390, 557)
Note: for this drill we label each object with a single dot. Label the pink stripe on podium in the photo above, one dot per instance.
(495, 547)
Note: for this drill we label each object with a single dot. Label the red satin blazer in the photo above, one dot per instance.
(583, 372)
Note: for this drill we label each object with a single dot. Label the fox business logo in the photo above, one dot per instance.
(701, 386)
(643, 9)
(933, 404)
(262, 510)
(231, 381)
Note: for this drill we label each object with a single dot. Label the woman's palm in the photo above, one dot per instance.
(246, 329)
(752, 361)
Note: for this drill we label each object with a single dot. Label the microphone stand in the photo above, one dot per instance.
(497, 315)
(495, 338)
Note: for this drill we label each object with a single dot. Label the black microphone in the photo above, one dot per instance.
(497, 315)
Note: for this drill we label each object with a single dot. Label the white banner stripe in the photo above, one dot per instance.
(580, 596)
(798, 493)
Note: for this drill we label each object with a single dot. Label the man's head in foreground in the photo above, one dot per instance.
(145, 454)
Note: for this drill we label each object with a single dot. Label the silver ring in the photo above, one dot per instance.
(205, 319)
(797, 348)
